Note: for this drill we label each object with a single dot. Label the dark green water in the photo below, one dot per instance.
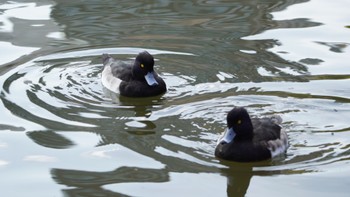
(63, 134)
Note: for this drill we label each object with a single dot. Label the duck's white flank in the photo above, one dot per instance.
(108, 80)
(278, 146)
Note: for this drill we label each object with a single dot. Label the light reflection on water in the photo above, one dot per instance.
(78, 138)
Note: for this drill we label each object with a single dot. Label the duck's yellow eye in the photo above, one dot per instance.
(142, 66)
(239, 121)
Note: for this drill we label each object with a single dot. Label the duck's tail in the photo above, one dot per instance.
(105, 58)
(276, 119)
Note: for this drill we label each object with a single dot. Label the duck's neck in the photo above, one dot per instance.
(247, 133)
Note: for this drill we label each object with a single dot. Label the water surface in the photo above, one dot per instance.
(63, 134)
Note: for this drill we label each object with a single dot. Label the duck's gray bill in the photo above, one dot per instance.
(228, 136)
(151, 81)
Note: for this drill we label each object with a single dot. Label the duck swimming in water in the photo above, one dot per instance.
(132, 79)
(247, 139)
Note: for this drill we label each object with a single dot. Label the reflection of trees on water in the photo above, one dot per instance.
(27, 32)
(82, 182)
(113, 22)
(211, 31)
(89, 183)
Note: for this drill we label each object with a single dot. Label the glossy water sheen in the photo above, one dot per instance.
(63, 134)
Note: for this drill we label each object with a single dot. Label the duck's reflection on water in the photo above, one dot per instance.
(89, 183)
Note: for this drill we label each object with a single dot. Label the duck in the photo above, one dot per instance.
(251, 139)
(132, 78)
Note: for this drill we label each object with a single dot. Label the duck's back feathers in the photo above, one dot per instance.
(265, 129)
(119, 69)
(122, 70)
(272, 136)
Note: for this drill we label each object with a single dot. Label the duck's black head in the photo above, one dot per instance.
(239, 121)
(143, 68)
(145, 59)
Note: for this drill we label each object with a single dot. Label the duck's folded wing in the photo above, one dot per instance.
(266, 129)
(121, 70)
(268, 133)
(118, 69)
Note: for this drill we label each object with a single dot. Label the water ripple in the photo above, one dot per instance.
(213, 55)
(61, 92)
